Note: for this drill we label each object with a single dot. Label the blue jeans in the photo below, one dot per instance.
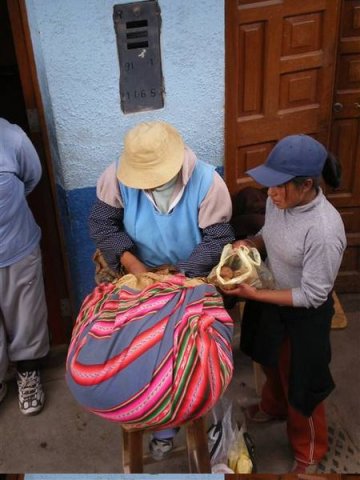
(167, 433)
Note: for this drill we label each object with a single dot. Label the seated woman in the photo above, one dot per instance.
(160, 205)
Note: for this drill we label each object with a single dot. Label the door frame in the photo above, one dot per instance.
(37, 123)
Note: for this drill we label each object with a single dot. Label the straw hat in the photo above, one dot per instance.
(153, 154)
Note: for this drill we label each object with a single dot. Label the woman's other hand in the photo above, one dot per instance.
(277, 297)
(243, 243)
(132, 264)
(251, 242)
(243, 291)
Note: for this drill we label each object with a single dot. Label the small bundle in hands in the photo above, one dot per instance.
(240, 265)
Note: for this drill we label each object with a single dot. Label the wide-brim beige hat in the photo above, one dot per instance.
(153, 154)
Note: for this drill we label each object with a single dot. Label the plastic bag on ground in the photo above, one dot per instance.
(228, 443)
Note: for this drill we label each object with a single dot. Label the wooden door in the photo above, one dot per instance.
(280, 63)
(21, 104)
(345, 141)
(294, 67)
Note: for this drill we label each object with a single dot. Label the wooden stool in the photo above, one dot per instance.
(196, 446)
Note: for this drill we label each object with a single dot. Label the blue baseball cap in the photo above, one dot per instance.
(293, 156)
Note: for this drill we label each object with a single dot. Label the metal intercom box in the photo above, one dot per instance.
(137, 26)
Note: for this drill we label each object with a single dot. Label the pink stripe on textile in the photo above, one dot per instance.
(219, 314)
(140, 407)
(209, 366)
(102, 329)
(198, 391)
(94, 374)
(219, 339)
(205, 320)
(151, 305)
(183, 387)
(192, 377)
(87, 314)
(194, 393)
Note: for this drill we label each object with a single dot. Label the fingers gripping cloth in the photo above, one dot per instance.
(156, 357)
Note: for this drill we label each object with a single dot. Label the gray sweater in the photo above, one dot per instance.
(304, 248)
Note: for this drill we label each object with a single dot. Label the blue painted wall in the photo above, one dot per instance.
(77, 63)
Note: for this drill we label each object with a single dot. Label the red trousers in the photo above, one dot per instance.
(307, 435)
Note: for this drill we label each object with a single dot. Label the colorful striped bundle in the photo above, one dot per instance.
(151, 358)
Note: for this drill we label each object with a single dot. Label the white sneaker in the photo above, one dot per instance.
(3, 391)
(160, 447)
(31, 395)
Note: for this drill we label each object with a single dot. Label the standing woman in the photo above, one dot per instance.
(287, 330)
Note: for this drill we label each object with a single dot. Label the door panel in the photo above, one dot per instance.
(280, 63)
(345, 140)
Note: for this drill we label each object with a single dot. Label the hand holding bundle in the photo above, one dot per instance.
(240, 265)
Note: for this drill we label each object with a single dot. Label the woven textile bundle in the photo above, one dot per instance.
(155, 357)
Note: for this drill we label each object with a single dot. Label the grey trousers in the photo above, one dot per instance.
(23, 313)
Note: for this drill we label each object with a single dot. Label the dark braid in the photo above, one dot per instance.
(332, 171)
(331, 174)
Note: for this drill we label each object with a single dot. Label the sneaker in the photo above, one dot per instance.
(31, 395)
(160, 447)
(3, 390)
(215, 439)
(300, 467)
(255, 414)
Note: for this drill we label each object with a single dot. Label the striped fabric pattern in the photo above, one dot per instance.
(151, 358)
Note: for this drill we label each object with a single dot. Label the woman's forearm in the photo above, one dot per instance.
(132, 264)
(278, 297)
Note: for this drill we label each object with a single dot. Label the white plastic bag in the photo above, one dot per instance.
(241, 265)
(226, 441)
(239, 460)
(221, 433)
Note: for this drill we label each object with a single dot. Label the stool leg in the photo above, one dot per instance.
(259, 378)
(197, 447)
(133, 451)
(125, 451)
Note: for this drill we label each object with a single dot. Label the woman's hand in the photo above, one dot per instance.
(243, 291)
(252, 242)
(277, 297)
(132, 264)
(243, 243)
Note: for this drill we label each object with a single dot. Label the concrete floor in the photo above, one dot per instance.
(66, 439)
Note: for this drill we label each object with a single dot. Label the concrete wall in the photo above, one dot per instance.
(77, 63)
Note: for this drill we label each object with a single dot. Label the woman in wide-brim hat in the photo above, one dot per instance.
(160, 205)
(287, 330)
